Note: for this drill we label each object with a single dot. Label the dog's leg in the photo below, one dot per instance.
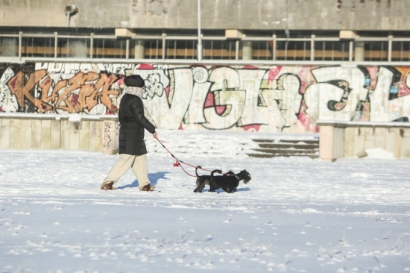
(211, 187)
(234, 186)
(198, 182)
(200, 185)
(197, 185)
(232, 190)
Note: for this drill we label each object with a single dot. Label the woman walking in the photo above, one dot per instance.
(133, 124)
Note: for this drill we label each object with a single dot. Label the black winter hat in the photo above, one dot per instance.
(134, 80)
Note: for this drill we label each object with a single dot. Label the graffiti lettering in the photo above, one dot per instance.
(383, 107)
(22, 88)
(8, 102)
(267, 99)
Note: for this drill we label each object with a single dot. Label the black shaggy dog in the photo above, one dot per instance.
(203, 180)
(228, 183)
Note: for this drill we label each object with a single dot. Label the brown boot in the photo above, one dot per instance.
(107, 185)
(148, 187)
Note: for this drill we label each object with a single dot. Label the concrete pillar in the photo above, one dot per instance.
(331, 144)
(359, 51)
(9, 46)
(139, 49)
(247, 50)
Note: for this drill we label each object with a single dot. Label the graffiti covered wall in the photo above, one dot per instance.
(240, 98)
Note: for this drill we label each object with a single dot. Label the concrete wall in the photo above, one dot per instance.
(231, 98)
(350, 139)
(55, 132)
(100, 134)
(40, 13)
(237, 14)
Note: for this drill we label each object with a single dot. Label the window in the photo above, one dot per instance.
(73, 47)
(152, 49)
(181, 44)
(376, 51)
(293, 50)
(180, 49)
(401, 51)
(262, 50)
(331, 51)
(37, 47)
(219, 49)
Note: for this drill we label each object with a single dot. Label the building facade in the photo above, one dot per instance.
(260, 30)
(264, 65)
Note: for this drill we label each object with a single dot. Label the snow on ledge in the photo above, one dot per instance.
(363, 123)
(70, 117)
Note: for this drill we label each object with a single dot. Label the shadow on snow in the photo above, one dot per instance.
(221, 190)
(153, 178)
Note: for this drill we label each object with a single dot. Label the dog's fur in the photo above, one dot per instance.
(229, 181)
(203, 180)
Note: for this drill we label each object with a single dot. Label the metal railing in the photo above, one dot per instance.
(55, 46)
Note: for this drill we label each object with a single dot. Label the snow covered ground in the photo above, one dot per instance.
(296, 215)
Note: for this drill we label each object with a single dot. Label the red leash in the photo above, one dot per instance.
(178, 162)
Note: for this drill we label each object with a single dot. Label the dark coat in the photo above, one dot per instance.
(132, 125)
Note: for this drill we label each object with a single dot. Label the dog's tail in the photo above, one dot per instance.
(196, 170)
(215, 171)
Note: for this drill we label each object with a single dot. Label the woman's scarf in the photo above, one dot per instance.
(133, 90)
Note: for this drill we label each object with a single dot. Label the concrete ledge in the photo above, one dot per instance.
(349, 139)
(56, 116)
(67, 132)
(344, 124)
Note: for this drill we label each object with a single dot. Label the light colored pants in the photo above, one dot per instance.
(137, 163)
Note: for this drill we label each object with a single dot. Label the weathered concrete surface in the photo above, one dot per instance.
(42, 13)
(216, 14)
(349, 139)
